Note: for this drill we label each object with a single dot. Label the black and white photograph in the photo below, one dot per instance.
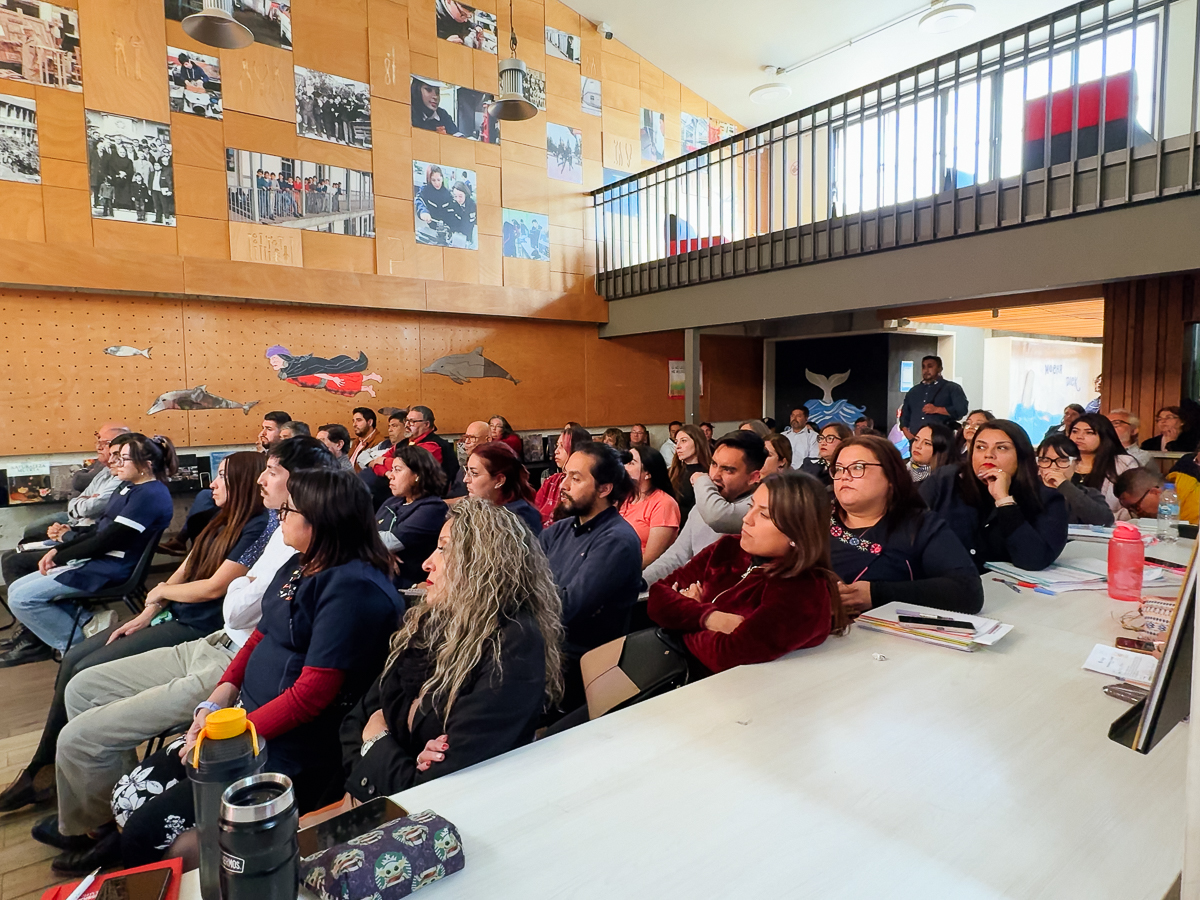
(444, 206)
(653, 136)
(561, 45)
(452, 110)
(270, 21)
(294, 193)
(19, 141)
(589, 95)
(693, 132)
(39, 44)
(564, 153)
(130, 170)
(466, 25)
(535, 88)
(526, 235)
(195, 83)
(332, 108)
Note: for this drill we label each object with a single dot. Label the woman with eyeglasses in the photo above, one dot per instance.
(692, 456)
(830, 437)
(932, 447)
(651, 507)
(1057, 458)
(494, 473)
(322, 640)
(1102, 458)
(136, 514)
(500, 430)
(409, 520)
(472, 666)
(546, 499)
(1172, 435)
(975, 420)
(995, 503)
(885, 545)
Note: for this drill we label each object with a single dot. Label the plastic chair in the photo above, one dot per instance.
(132, 592)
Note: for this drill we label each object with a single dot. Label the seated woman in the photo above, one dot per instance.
(829, 439)
(186, 607)
(1172, 434)
(1102, 457)
(758, 426)
(137, 513)
(321, 641)
(1057, 457)
(494, 473)
(932, 448)
(779, 455)
(692, 455)
(615, 438)
(500, 430)
(996, 504)
(410, 520)
(885, 544)
(752, 598)
(975, 419)
(472, 666)
(651, 507)
(546, 499)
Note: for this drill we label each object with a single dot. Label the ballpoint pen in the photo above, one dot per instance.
(82, 887)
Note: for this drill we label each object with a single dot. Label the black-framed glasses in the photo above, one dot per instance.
(1062, 462)
(828, 439)
(285, 510)
(1133, 507)
(854, 470)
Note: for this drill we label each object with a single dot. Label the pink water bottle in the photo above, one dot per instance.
(1126, 559)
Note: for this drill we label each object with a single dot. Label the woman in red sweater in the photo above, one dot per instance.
(546, 501)
(754, 597)
(499, 430)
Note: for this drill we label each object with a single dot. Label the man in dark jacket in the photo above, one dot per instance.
(933, 400)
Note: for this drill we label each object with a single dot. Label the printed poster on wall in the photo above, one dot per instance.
(564, 153)
(466, 25)
(444, 206)
(677, 379)
(270, 21)
(332, 108)
(452, 110)
(130, 169)
(653, 136)
(39, 44)
(19, 160)
(194, 81)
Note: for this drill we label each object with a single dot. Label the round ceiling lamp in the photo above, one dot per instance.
(945, 16)
(215, 26)
(771, 93)
(512, 105)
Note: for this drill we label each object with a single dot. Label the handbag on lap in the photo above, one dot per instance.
(631, 669)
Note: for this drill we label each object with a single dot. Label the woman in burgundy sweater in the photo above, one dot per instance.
(754, 597)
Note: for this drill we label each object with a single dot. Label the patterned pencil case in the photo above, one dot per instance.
(392, 861)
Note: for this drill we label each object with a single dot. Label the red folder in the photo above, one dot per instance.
(62, 891)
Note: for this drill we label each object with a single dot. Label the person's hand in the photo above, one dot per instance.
(693, 590)
(57, 530)
(434, 752)
(997, 481)
(193, 734)
(374, 726)
(46, 563)
(334, 380)
(137, 623)
(426, 218)
(928, 408)
(441, 129)
(696, 476)
(1052, 477)
(455, 39)
(726, 623)
(855, 598)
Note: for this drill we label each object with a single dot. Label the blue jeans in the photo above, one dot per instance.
(29, 599)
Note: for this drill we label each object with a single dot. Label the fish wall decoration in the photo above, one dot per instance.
(122, 350)
(195, 399)
(827, 409)
(462, 367)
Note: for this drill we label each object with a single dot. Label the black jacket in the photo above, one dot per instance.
(496, 711)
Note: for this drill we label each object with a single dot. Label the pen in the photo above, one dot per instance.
(1011, 585)
(81, 889)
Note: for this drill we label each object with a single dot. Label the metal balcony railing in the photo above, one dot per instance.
(1091, 107)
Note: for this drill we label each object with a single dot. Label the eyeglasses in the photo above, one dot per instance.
(854, 471)
(828, 439)
(126, 459)
(1119, 422)
(285, 510)
(1133, 507)
(414, 421)
(100, 442)
(1062, 462)
(1168, 417)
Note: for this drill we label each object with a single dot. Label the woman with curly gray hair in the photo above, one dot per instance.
(473, 664)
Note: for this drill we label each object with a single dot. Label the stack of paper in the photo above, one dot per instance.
(1136, 668)
(886, 618)
(1102, 534)
(1069, 575)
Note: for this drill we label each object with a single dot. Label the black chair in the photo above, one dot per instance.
(160, 740)
(132, 592)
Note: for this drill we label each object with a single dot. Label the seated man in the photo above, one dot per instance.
(1126, 425)
(337, 440)
(477, 433)
(421, 430)
(595, 557)
(1138, 490)
(722, 499)
(374, 472)
(294, 429)
(115, 706)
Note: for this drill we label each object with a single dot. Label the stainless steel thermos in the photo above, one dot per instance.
(260, 855)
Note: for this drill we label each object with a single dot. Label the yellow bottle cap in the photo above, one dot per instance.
(225, 723)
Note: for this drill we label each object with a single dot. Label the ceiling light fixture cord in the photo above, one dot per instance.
(512, 30)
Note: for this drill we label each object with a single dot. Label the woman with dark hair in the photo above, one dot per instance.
(779, 454)
(752, 598)
(321, 641)
(885, 544)
(829, 438)
(975, 419)
(693, 454)
(139, 511)
(435, 203)
(494, 473)
(932, 447)
(473, 664)
(995, 503)
(1173, 435)
(185, 607)
(1071, 412)
(651, 507)
(425, 98)
(546, 499)
(615, 438)
(1102, 456)
(409, 520)
(1057, 457)
(500, 430)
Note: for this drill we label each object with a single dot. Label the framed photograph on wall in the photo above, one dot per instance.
(452, 110)
(535, 88)
(130, 169)
(19, 160)
(653, 135)
(693, 132)
(269, 20)
(294, 193)
(40, 44)
(332, 108)
(444, 206)
(564, 153)
(561, 45)
(466, 25)
(526, 235)
(589, 95)
(194, 81)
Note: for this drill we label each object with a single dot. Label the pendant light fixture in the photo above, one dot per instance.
(511, 104)
(215, 26)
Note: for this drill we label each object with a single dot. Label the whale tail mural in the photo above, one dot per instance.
(827, 410)
(827, 384)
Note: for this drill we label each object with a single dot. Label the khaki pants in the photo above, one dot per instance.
(114, 707)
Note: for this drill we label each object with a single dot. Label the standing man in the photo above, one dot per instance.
(668, 448)
(362, 423)
(933, 400)
(801, 436)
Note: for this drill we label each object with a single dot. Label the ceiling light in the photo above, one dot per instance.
(946, 16)
(512, 105)
(215, 26)
(771, 93)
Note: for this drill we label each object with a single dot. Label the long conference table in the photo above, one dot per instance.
(833, 774)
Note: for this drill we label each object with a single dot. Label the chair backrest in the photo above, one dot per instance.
(135, 583)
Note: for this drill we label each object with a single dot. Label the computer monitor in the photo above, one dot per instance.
(1170, 697)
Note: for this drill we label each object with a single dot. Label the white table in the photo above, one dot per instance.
(829, 774)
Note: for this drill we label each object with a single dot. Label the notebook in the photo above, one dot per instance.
(886, 618)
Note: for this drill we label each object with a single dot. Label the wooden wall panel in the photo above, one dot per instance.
(331, 36)
(124, 48)
(338, 251)
(68, 215)
(22, 219)
(259, 80)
